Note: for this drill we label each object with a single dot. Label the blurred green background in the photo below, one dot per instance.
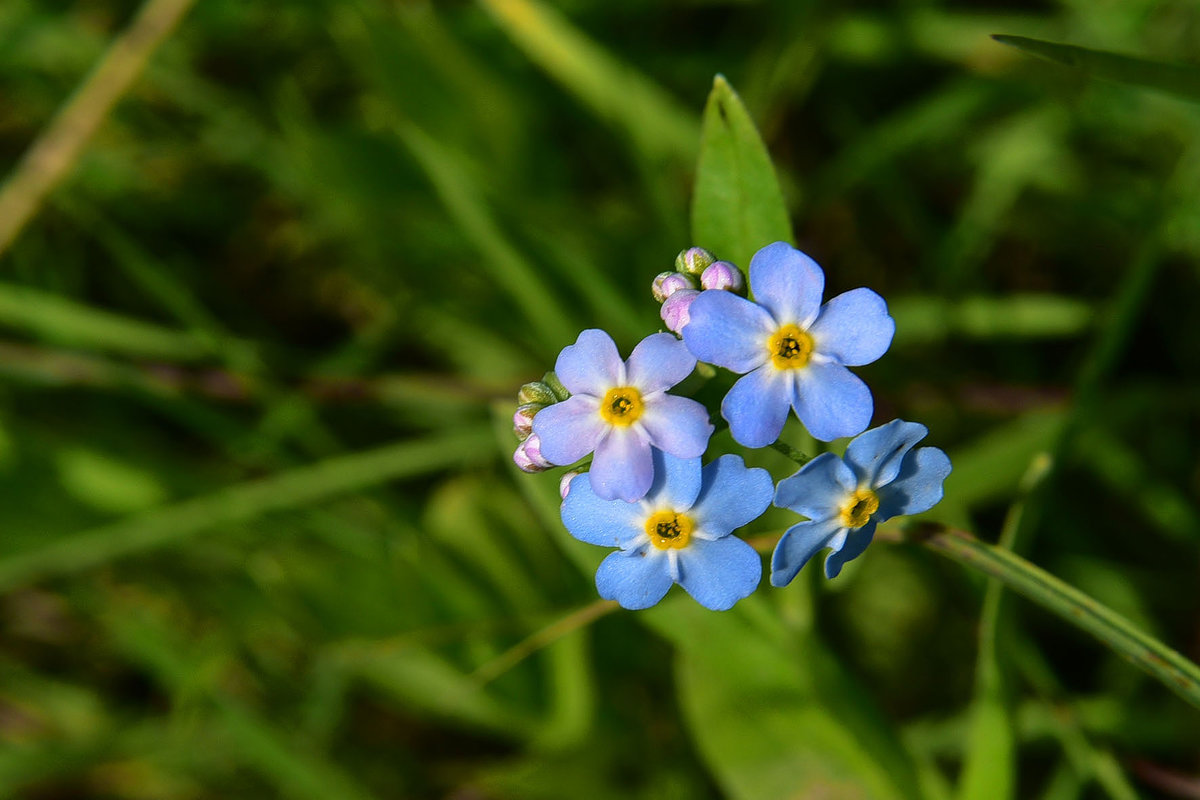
(259, 348)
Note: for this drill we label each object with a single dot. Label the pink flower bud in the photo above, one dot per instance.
(725, 276)
(668, 283)
(564, 484)
(528, 455)
(523, 419)
(674, 311)
(694, 260)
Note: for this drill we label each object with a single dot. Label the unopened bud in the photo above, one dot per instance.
(694, 261)
(560, 391)
(674, 311)
(528, 455)
(668, 283)
(536, 392)
(723, 275)
(564, 483)
(523, 419)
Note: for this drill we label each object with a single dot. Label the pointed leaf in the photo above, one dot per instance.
(771, 710)
(737, 207)
(1181, 80)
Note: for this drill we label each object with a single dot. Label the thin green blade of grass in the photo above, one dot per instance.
(990, 467)
(926, 318)
(659, 127)
(259, 744)
(160, 283)
(243, 502)
(1156, 659)
(990, 764)
(930, 120)
(61, 321)
(1125, 472)
(1026, 150)
(1181, 80)
(511, 271)
(737, 206)
(427, 683)
(52, 156)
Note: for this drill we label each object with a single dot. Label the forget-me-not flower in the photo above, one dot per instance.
(880, 477)
(620, 409)
(793, 350)
(679, 533)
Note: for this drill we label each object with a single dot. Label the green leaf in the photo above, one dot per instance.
(1181, 80)
(426, 682)
(738, 206)
(772, 711)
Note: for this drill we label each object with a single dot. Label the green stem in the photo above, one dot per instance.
(1163, 663)
(790, 452)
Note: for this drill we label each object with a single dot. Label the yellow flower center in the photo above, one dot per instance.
(668, 530)
(622, 406)
(858, 510)
(790, 347)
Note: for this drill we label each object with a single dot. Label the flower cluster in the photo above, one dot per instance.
(646, 492)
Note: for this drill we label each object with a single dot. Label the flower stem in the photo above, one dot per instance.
(543, 637)
(1168, 666)
(790, 452)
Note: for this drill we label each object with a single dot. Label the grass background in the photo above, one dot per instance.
(258, 349)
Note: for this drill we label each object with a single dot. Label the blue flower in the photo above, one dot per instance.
(678, 534)
(880, 477)
(620, 409)
(793, 350)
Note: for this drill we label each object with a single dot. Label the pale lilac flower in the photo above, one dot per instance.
(620, 409)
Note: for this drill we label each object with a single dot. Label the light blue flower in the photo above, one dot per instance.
(679, 533)
(620, 409)
(793, 350)
(880, 477)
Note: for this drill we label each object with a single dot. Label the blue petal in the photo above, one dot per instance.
(725, 330)
(797, 545)
(676, 482)
(731, 496)
(855, 543)
(918, 487)
(854, 328)
(658, 362)
(876, 455)
(757, 406)
(569, 430)
(622, 467)
(787, 283)
(719, 573)
(677, 425)
(634, 578)
(590, 366)
(831, 401)
(818, 490)
(612, 523)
